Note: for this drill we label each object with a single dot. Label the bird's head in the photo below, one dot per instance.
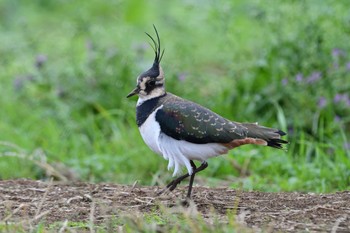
(151, 83)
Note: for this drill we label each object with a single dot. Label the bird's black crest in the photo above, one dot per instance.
(156, 47)
(153, 72)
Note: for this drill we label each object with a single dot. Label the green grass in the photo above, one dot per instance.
(66, 68)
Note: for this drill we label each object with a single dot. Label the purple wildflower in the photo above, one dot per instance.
(337, 98)
(90, 55)
(315, 76)
(40, 60)
(181, 76)
(347, 101)
(336, 52)
(337, 118)
(18, 83)
(141, 47)
(347, 145)
(322, 102)
(342, 98)
(290, 130)
(335, 65)
(347, 66)
(284, 82)
(299, 77)
(89, 45)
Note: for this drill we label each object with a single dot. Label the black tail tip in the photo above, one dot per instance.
(280, 132)
(276, 142)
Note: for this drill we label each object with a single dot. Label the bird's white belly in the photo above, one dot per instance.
(178, 152)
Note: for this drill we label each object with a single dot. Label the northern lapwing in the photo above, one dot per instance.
(182, 131)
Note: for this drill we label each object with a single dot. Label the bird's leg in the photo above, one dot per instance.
(203, 166)
(172, 185)
(191, 179)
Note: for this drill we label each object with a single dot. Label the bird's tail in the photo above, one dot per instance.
(270, 135)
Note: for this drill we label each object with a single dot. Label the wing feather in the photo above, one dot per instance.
(185, 120)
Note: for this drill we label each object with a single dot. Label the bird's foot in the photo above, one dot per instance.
(170, 187)
(186, 202)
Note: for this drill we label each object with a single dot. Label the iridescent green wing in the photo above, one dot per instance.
(185, 120)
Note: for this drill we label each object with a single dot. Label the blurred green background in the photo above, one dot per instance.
(66, 67)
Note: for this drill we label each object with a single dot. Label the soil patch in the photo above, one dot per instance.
(53, 202)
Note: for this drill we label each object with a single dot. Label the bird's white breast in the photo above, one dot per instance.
(178, 152)
(150, 131)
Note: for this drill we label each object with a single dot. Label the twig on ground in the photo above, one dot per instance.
(337, 222)
(14, 212)
(92, 217)
(64, 226)
(43, 198)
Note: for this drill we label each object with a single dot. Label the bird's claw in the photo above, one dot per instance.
(169, 188)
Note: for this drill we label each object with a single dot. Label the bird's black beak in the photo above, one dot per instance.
(133, 92)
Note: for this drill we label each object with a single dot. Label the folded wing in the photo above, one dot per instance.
(194, 123)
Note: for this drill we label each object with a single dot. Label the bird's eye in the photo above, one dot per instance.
(152, 83)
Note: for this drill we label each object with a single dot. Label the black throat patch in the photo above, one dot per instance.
(146, 108)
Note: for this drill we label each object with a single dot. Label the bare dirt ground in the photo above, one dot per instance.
(287, 212)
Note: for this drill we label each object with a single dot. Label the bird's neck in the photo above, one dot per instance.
(144, 109)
